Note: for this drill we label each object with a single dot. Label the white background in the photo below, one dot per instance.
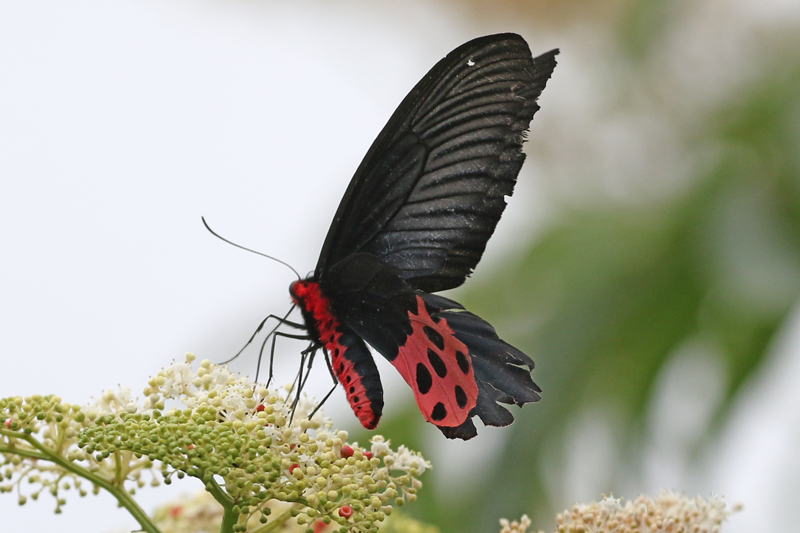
(122, 123)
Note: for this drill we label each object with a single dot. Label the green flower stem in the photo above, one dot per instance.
(230, 517)
(119, 477)
(219, 494)
(45, 454)
(22, 452)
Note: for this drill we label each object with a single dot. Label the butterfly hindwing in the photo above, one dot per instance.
(502, 372)
(432, 187)
(453, 361)
(437, 367)
(355, 369)
(350, 360)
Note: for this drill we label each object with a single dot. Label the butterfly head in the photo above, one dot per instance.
(302, 290)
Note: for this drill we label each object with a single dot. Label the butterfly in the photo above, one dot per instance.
(414, 221)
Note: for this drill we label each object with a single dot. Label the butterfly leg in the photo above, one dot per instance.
(330, 368)
(274, 335)
(281, 321)
(308, 352)
(311, 351)
(335, 383)
(322, 402)
(299, 380)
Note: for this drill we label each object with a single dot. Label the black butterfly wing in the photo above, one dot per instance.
(431, 189)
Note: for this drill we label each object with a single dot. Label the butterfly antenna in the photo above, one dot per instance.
(220, 237)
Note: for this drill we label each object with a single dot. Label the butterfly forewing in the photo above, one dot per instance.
(431, 189)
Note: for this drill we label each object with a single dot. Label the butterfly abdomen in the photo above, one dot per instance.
(350, 358)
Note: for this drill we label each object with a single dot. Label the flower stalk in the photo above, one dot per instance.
(40, 452)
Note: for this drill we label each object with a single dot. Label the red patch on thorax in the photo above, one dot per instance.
(308, 295)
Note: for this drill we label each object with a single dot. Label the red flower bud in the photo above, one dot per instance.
(347, 451)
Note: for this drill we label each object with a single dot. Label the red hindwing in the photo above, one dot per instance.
(438, 368)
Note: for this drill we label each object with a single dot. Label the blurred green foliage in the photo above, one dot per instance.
(609, 293)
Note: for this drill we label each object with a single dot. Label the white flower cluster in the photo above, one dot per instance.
(403, 459)
(113, 402)
(247, 444)
(262, 462)
(670, 512)
(515, 526)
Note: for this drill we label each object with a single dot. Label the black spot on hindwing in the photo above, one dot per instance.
(463, 362)
(434, 336)
(439, 411)
(437, 363)
(461, 396)
(424, 379)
